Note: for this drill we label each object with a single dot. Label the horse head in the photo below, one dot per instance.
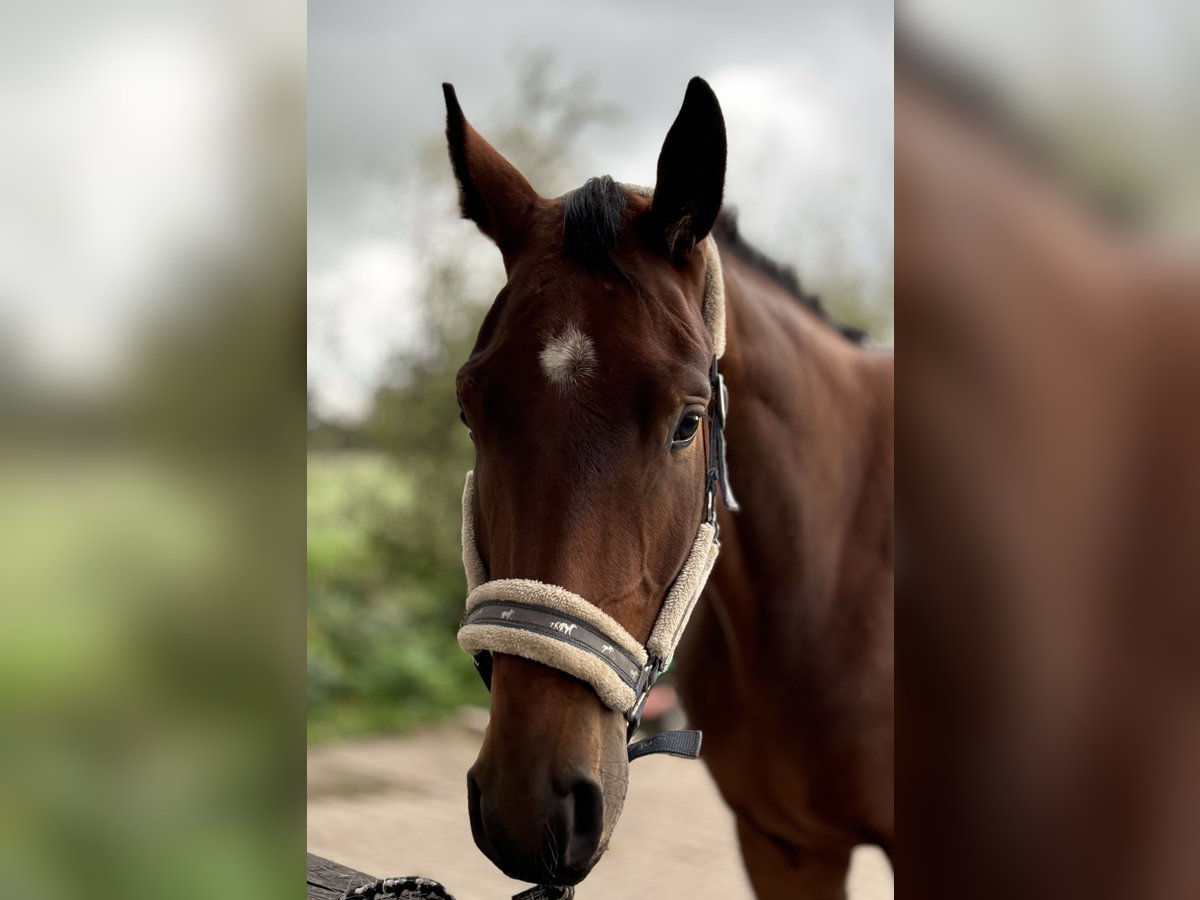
(586, 395)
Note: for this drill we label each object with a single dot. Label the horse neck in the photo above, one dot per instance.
(810, 461)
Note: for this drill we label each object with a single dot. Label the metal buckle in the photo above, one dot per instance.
(653, 668)
(718, 466)
(710, 497)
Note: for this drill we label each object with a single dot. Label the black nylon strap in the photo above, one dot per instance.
(483, 665)
(718, 465)
(685, 744)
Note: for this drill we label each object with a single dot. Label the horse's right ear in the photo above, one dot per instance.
(691, 171)
(491, 191)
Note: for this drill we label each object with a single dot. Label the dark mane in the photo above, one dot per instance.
(727, 235)
(593, 216)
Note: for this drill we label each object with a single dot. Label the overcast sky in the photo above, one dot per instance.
(806, 88)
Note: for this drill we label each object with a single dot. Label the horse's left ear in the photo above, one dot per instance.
(691, 171)
(491, 191)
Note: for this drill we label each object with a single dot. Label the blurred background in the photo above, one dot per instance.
(151, 460)
(1102, 90)
(1048, 282)
(397, 288)
(152, 276)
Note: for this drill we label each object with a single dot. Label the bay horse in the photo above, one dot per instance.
(584, 394)
(1050, 467)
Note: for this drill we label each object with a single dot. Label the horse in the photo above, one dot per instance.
(1049, 464)
(588, 394)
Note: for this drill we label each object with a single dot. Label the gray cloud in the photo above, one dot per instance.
(806, 87)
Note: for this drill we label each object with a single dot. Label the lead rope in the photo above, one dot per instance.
(415, 888)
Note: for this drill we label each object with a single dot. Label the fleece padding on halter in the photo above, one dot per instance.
(472, 564)
(684, 593)
(503, 617)
(551, 625)
(714, 296)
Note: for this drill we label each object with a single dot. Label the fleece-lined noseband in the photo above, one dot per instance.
(553, 626)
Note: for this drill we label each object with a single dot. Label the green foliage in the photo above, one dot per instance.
(385, 588)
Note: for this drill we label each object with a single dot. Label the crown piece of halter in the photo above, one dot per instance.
(551, 625)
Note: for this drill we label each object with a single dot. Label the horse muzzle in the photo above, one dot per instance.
(550, 835)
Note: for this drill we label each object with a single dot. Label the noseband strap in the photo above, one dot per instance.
(548, 624)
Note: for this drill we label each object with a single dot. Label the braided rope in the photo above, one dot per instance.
(415, 888)
(410, 888)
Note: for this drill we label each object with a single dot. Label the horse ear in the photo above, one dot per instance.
(491, 191)
(691, 171)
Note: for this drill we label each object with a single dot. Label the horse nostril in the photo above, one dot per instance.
(586, 818)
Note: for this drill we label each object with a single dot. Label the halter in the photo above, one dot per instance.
(558, 628)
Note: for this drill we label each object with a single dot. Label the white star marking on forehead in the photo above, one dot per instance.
(568, 358)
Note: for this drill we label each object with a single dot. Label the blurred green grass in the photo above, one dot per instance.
(141, 676)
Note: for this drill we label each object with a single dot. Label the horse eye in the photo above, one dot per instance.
(686, 430)
(462, 417)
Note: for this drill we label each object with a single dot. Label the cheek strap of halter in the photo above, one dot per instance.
(548, 624)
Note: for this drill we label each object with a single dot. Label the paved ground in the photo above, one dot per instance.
(397, 806)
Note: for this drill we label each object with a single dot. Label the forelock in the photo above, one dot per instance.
(593, 218)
